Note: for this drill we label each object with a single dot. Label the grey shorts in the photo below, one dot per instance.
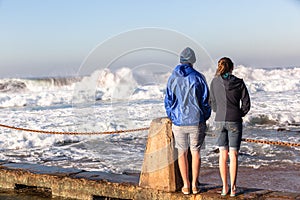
(189, 136)
(230, 135)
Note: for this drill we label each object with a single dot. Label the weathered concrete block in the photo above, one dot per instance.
(3, 180)
(160, 168)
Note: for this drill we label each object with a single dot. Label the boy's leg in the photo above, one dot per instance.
(196, 163)
(184, 170)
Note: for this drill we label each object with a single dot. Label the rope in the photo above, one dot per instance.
(135, 130)
(73, 133)
(272, 142)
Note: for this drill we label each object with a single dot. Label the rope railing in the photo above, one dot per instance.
(278, 143)
(290, 144)
(73, 133)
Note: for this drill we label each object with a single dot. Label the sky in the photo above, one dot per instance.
(54, 37)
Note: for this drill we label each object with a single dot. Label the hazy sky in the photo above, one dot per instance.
(53, 37)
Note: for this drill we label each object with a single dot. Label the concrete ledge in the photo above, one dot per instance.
(77, 184)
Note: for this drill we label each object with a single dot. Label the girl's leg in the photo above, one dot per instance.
(223, 169)
(233, 169)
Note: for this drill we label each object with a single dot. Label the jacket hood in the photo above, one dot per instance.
(231, 82)
(183, 70)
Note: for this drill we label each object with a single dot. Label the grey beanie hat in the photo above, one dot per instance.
(187, 56)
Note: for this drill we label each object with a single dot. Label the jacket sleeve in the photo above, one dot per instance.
(245, 99)
(169, 100)
(203, 98)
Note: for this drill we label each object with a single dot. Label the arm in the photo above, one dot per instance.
(212, 99)
(245, 99)
(169, 100)
(203, 98)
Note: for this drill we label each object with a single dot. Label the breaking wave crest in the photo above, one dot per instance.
(274, 92)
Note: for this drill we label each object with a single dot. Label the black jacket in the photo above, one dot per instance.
(229, 98)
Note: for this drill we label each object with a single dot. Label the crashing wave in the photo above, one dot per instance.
(12, 86)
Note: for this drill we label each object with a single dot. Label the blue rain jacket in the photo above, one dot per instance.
(187, 97)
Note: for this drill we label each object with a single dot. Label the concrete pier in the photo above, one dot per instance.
(77, 184)
(159, 182)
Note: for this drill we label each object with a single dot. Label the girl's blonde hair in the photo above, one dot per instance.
(225, 65)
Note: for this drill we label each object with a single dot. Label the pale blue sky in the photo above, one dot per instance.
(53, 37)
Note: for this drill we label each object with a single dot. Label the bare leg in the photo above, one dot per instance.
(196, 162)
(233, 169)
(184, 170)
(223, 169)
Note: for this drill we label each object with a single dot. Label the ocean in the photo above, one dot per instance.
(119, 100)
